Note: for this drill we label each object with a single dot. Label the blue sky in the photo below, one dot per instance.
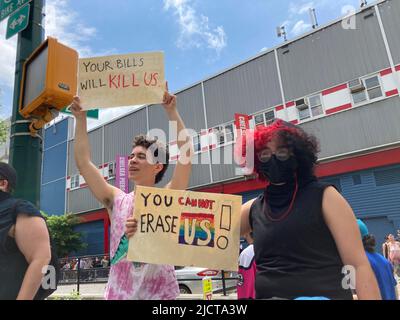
(199, 37)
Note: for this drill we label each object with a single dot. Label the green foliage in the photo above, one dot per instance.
(3, 131)
(65, 238)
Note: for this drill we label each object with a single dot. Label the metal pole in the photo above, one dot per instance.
(223, 282)
(78, 282)
(26, 151)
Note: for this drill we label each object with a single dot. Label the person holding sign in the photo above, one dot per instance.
(148, 162)
(306, 238)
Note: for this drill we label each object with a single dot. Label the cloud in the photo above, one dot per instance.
(7, 59)
(65, 25)
(195, 29)
(300, 27)
(299, 9)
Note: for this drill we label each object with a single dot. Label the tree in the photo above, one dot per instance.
(66, 240)
(4, 126)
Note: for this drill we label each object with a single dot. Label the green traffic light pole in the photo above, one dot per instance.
(25, 150)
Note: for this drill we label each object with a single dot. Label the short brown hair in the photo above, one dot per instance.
(160, 151)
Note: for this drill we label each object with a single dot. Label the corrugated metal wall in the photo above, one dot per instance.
(332, 56)
(82, 200)
(390, 13)
(93, 236)
(117, 141)
(377, 205)
(364, 127)
(247, 88)
(52, 198)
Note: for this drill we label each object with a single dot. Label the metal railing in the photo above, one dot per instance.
(95, 269)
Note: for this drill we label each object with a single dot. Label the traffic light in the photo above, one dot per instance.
(49, 82)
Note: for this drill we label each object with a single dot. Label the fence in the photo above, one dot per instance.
(95, 269)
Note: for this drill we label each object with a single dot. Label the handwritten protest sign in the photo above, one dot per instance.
(121, 80)
(186, 228)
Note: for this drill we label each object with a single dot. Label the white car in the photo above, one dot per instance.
(190, 279)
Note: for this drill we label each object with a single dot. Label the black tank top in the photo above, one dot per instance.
(296, 256)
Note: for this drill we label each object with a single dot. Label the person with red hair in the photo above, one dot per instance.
(305, 233)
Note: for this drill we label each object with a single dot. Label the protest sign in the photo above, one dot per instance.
(186, 228)
(121, 80)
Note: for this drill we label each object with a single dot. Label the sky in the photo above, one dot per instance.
(199, 37)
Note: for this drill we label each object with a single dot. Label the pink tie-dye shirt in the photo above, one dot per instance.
(131, 280)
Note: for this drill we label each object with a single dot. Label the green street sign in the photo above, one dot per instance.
(18, 21)
(8, 7)
(94, 114)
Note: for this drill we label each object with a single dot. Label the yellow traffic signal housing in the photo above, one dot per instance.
(49, 82)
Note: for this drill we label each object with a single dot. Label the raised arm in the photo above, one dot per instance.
(183, 168)
(103, 191)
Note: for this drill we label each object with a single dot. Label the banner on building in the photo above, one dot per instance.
(121, 80)
(241, 123)
(186, 228)
(121, 174)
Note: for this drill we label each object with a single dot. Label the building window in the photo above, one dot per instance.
(264, 119)
(111, 169)
(365, 89)
(224, 134)
(75, 181)
(196, 143)
(229, 133)
(310, 107)
(269, 117)
(303, 109)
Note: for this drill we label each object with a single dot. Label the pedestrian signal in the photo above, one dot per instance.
(49, 82)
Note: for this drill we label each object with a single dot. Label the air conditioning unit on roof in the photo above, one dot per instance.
(301, 104)
(356, 85)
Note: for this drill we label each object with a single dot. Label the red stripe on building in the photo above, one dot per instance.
(105, 165)
(363, 162)
(398, 68)
(335, 89)
(386, 71)
(83, 185)
(392, 93)
(213, 146)
(203, 133)
(294, 121)
(173, 143)
(174, 158)
(278, 108)
(337, 109)
(68, 189)
(368, 161)
(290, 104)
(101, 167)
(204, 149)
(68, 177)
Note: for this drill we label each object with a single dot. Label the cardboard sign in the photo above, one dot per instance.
(122, 80)
(207, 288)
(186, 228)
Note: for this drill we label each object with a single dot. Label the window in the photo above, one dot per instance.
(315, 105)
(224, 134)
(111, 169)
(259, 119)
(365, 89)
(196, 143)
(373, 87)
(310, 107)
(229, 134)
(269, 117)
(264, 118)
(75, 181)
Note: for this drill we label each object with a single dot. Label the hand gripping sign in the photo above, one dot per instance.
(121, 80)
(186, 228)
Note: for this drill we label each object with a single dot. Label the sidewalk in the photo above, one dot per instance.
(95, 291)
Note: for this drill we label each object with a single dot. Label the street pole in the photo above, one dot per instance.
(25, 150)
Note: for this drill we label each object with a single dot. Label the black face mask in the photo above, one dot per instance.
(277, 171)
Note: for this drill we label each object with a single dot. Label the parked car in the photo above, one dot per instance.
(195, 275)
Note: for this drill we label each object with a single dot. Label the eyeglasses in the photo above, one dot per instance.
(281, 153)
